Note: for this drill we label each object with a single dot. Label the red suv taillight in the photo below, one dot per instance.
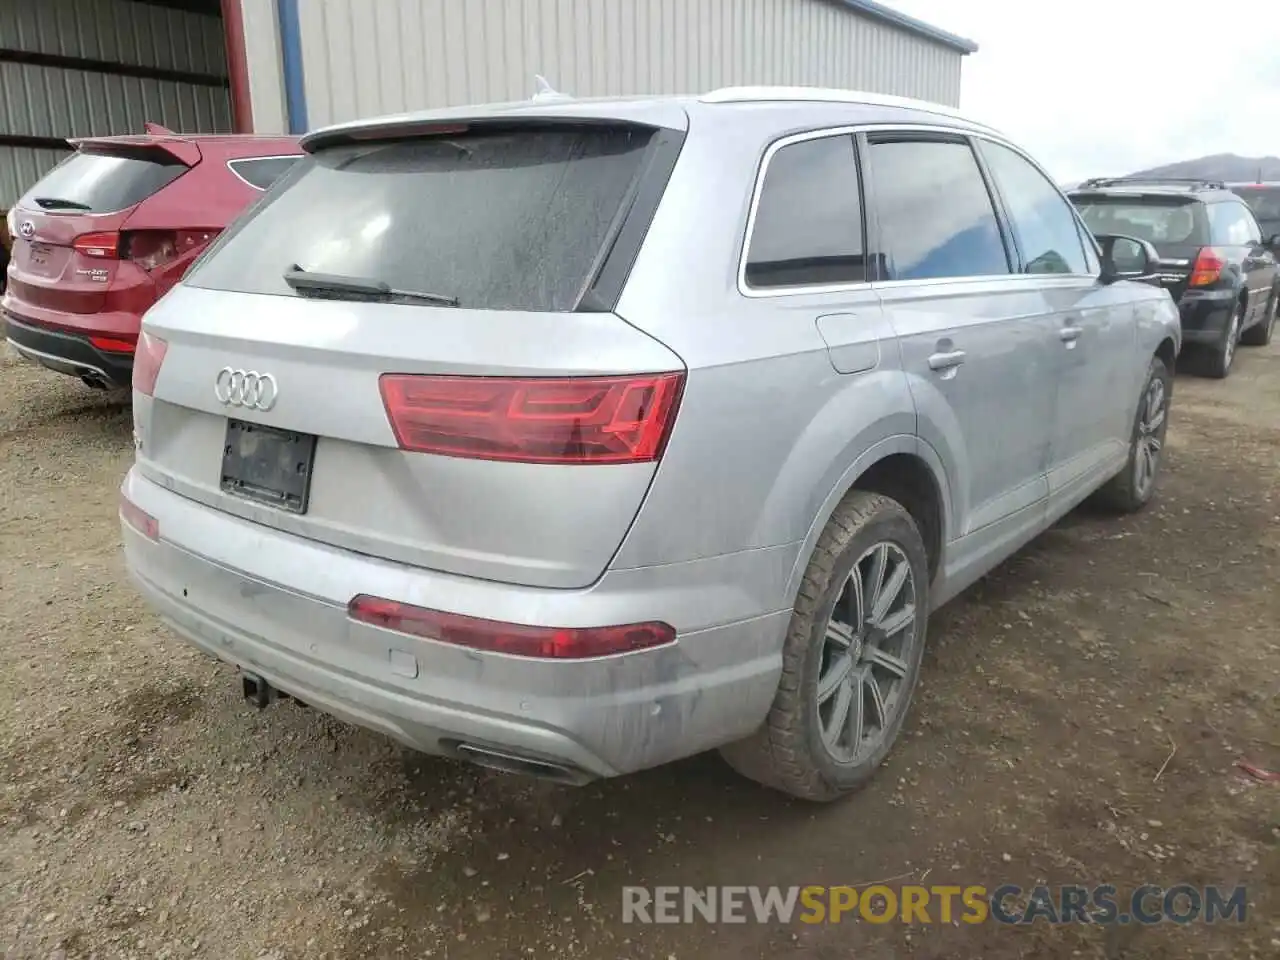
(146, 363)
(549, 643)
(149, 249)
(1208, 267)
(100, 246)
(534, 420)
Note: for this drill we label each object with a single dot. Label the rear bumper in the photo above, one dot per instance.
(275, 605)
(1205, 315)
(68, 352)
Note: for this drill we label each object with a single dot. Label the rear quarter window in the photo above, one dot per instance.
(808, 223)
(261, 172)
(95, 181)
(511, 219)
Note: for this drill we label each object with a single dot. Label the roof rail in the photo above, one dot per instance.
(798, 94)
(1191, 183)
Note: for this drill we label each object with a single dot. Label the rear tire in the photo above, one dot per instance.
(851, 657)
(1216, 361)
(1259, 335)
(1132, 489)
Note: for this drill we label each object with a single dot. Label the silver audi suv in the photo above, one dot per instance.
(573, 437)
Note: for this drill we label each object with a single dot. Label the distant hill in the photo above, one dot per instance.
(1220, 166)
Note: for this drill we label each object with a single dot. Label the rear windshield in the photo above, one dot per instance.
(499, 220)
(93, 181)
(1156, 220)
(1264, 201)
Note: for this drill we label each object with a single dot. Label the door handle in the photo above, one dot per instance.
(1070, 334)
(946, 361)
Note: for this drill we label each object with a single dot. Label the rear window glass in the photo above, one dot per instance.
(499, 220)
(91, 181)
(1156, 220)
(261, 172)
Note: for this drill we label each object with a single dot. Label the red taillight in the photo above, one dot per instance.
(151, 249)
(534, 420)
(100, 246)
(551, 643)
(1208, 267)
(138, 518)
(146, 363)
(113, 344)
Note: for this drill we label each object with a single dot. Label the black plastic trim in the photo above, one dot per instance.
(70, 349)
(605, 288)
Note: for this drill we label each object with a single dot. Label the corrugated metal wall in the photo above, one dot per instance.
(368, 57)
(42, 101)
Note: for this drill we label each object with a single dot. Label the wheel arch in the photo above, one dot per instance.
(908, 470)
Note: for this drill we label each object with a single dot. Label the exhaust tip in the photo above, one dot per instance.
(256, 690)
(505, 762)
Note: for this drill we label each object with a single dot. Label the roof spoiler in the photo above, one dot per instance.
(180, 148)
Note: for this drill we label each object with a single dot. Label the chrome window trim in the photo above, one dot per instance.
(231, 165)
(771, 151)
(843, 130)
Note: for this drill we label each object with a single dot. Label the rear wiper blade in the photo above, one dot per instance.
(358, 288)
(57, 203)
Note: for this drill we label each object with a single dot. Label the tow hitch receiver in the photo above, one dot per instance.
(257, 691)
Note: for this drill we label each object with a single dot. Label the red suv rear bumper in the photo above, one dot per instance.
(92, 355)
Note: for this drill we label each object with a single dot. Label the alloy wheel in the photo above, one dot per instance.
(867, 653)
(1146, 462)
(1233, 335)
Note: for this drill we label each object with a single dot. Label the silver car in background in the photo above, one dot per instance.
(572, 438)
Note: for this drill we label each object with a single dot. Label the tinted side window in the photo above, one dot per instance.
(934, 211)
(261, 172)
(1042, 220)
(1231, 224)
(808, 225)
(1251, 222)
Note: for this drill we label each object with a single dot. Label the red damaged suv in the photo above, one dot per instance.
(107, 232)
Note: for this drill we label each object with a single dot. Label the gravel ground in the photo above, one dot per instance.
(146, 811)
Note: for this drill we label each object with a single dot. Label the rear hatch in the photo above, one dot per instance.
(405, 351)
(67, 252)
(1176, 226)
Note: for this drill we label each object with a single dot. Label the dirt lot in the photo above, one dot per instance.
(145, 811)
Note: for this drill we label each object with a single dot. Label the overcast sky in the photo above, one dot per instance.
(1102, 87)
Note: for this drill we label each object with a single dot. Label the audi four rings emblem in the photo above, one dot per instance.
(27, 229)
(245, 388)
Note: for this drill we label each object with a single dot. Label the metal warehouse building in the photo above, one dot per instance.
(93, 67)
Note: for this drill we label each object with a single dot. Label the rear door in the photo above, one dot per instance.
(1236, 224)
(978, 342)
(486, 414)
(1095, 357)
(67, 223)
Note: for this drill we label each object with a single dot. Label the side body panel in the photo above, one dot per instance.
(771, 433)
